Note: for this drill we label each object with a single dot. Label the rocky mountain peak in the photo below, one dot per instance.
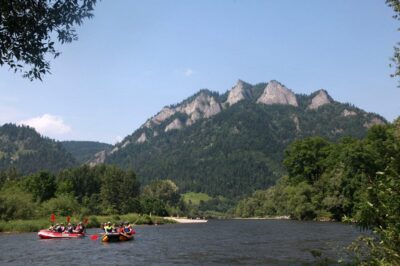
(238, 93)
(163, 115)
(276, 93)
(202, 106)
(321, 98)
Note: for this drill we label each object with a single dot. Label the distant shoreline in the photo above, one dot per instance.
(184, 220)
(283, 217)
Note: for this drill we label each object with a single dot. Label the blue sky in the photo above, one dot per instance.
(134, 57)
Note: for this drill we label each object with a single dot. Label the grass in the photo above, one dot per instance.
(19, 226)
(195, 198)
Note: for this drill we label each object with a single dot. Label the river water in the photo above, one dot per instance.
(218, 242)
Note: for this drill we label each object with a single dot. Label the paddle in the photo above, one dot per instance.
(94, 237)
(68, 219)
(52, 218)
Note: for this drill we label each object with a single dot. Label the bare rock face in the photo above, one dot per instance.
(238, 93)
(276, 93)
(142, 138)
(126, 143)
(203, 106)
(176, 124)
(320, 99)
(164, 114)
(99, 158)
(374, 121)
(296, 122)
(347, 113)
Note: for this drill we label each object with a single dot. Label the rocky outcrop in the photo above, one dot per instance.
(374, 121)
(238, 93)
(320, 99)
(347, 113)
(296, 122)
(126, 143)
(164, 114)
(142, 138)
(99, 158)
(203, 105)
(276, 93)
(176, 124)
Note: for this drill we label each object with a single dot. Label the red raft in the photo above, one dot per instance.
(47, 234)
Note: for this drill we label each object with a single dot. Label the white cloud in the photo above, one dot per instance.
(48, 125)
(189, 72)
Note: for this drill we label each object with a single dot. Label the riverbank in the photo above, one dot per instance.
(282, 217)
(183, 220)
(93, 221)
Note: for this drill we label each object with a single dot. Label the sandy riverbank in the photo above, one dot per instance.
(265, 218)
(186, 220)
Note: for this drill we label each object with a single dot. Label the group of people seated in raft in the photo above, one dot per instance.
(70, 228)
(122, 228)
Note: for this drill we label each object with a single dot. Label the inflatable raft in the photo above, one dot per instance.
(47, 234)
(115, 237)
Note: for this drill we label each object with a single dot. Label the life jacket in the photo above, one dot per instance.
(108, 229)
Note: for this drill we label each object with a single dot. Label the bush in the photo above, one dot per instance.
(16, 204)
(63, 205)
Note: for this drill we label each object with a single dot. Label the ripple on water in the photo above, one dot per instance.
(218, 242)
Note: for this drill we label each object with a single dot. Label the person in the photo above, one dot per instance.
(128, 229)
(51, 228)
(70, 228)
(121, 228)
(79, 228)
(56, 227)
(108, 228)
(60, 228)
(114, 228)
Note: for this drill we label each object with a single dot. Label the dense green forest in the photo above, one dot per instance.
(83, 151)
(84, 190)
(23, 148)
(352, 180)
(238, 150)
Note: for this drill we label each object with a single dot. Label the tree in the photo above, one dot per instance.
(42, 186)
(27, 29)
(118, 189)
(395, 4)
(164, 190)
(305, 159)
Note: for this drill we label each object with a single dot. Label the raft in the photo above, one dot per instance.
(116, 237)
(47, 234)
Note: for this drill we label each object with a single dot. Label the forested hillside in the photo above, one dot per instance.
(84, 150)
(23, 148)
(232, 144)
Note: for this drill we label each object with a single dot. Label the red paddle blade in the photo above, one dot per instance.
(68, 219)
(94, 237)
(52, 217)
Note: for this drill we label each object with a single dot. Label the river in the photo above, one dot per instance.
(218, 242)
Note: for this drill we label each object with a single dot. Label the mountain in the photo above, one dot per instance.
(83, 151)
(233, 143)
(26, 150)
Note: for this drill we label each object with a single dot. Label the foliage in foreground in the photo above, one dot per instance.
(28, 29)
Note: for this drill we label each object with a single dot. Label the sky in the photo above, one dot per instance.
(134, 57)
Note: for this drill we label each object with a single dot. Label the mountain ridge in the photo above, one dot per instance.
(172, 110)
(208, 131)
